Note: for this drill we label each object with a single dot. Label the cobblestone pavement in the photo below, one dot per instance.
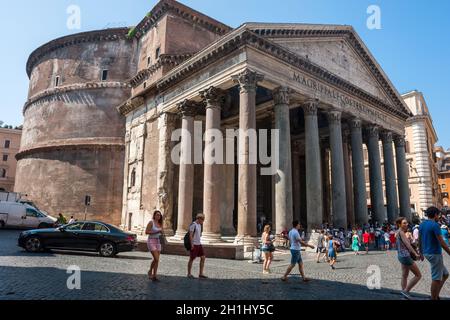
(44, 276)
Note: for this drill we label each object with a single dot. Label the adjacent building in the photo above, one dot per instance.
(420, 155)
(443, 167)
(9, 147)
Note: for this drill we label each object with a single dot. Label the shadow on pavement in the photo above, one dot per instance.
(33, 283)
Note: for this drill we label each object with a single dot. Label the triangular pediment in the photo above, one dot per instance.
(338, 49)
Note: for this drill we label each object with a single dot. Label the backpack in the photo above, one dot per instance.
(187, 238)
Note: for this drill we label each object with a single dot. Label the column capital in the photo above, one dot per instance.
(281, 95)
(399, 141)
(355, 123)
(248, 80)
(373, 131)
(386, 136)
(188, 108)
(214, 97)
(310, 107)
(334, 117)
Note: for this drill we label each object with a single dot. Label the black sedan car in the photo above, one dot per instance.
(94, 236)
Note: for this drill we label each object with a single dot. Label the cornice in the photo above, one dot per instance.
(170, 6)
(113, 34)
(47, 94)
(345, 32)
(243, 36)
(73, 144)
(164, 60)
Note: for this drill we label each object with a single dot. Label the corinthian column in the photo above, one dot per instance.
(314, 199)
(376, 183)
(389, 177)
(402, 177)
(187, 110)
(359, 181)
(212, 188)
(283, 184)
(247, 170)
(339, 200)
(164, 186)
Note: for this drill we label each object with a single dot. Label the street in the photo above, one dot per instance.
(44, 276)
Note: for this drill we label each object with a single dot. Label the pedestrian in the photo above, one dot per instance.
(387, 241)
(61, 219)
(377, 239)
(406, 254)
(154, 231)
(416, 234)
(332, 249)
(296, 257)
(392, 239)
(366, 240)
(267, 248)
(431, 244)
(444, 232)
(195, 234)
(355, 243)
(320, 245)
(72, 220)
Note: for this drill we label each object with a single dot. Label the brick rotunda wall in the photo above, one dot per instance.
(73, 137)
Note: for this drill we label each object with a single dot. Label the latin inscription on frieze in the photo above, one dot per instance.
(344, 101)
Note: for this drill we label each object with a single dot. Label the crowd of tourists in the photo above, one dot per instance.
(413, 243)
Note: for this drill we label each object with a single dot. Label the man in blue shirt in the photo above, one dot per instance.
(296, 257)
(431, 244)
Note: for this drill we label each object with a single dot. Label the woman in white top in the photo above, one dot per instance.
(154, 231)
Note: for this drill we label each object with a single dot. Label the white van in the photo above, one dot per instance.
(22, 215)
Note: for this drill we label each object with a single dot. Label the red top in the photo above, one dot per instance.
(366, 237)
(392, 237)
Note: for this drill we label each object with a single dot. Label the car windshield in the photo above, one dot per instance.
(74, 226)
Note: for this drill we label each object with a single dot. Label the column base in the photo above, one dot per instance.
(169, 232)
(211, 237)
(228, 232)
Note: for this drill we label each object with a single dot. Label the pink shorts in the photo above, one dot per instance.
(154, 244)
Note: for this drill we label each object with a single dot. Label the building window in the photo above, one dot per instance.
(149, 61)
(2, 173)
(145, 85)
(133, 178)
(7, 144)
(407, 148)
(104, 75)
(157, 52)
(57, 81)
(5, 157)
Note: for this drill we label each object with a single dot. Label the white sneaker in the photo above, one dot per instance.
(405, 295)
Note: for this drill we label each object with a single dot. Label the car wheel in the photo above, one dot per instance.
(42, 225)
(2, 224)
(33, 244)
(107, 249)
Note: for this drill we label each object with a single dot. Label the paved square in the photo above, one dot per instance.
(44, 276)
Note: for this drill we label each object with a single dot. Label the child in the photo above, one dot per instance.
(332, 251)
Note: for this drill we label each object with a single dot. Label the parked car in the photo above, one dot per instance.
(94, 236)
(22, 215)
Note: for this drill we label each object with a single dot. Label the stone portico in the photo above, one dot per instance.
(319, 86)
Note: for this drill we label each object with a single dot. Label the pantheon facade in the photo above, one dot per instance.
(103, 106)
(317, 84)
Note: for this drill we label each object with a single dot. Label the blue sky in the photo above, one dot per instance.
(412, 45)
